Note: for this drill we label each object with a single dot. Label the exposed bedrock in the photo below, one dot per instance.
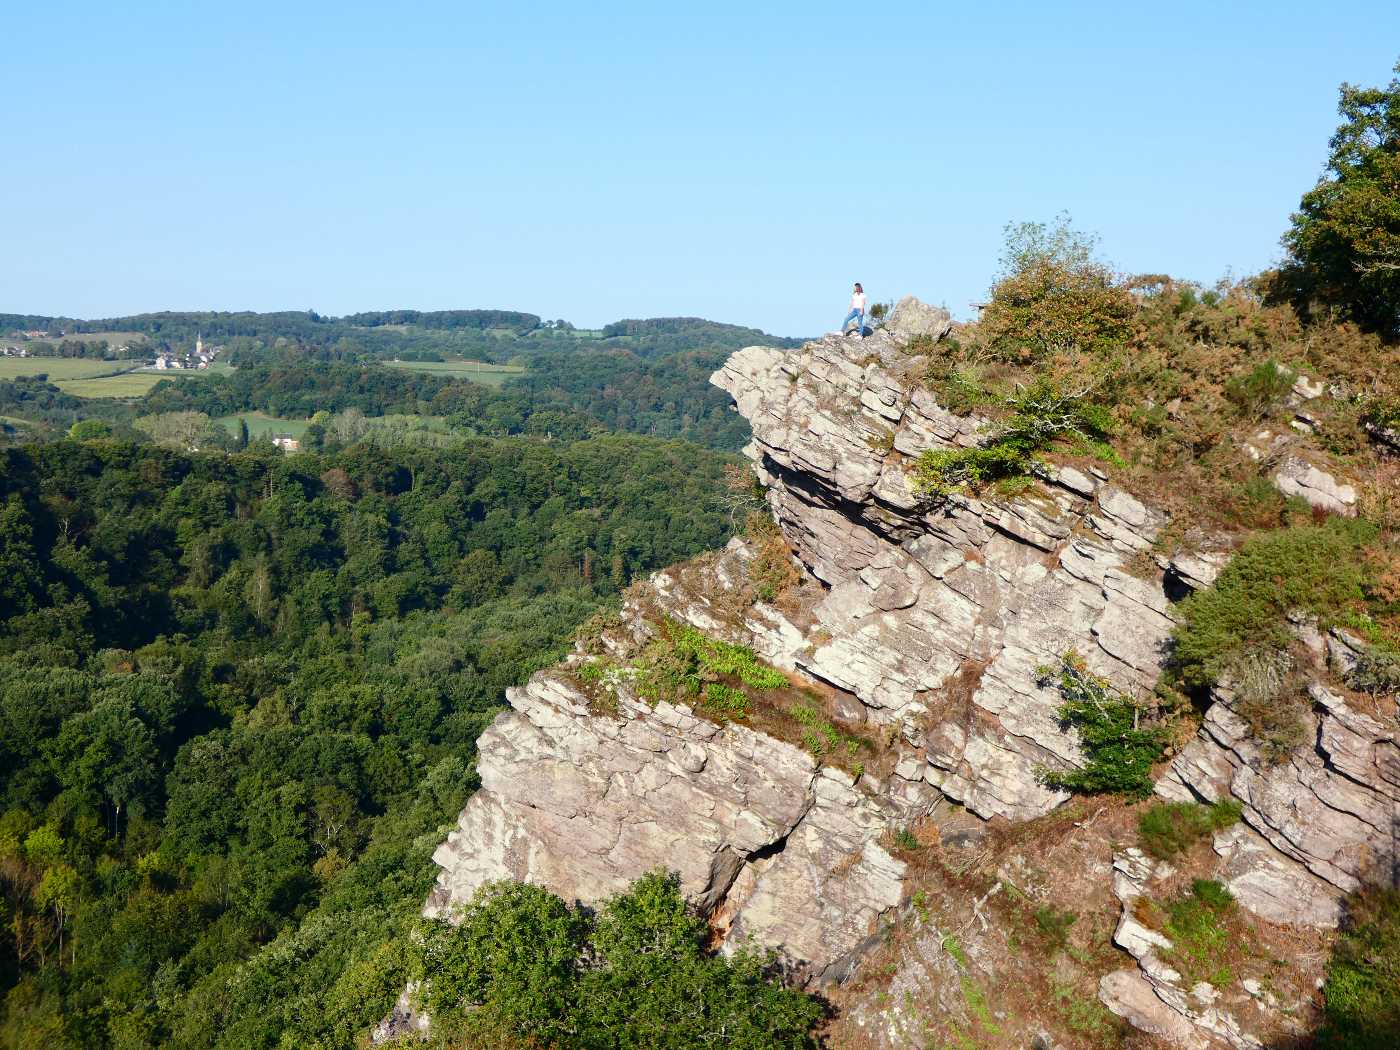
(773, 847)
(976, 593)
(1315, 825)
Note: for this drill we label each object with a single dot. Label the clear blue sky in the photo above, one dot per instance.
(743, 162)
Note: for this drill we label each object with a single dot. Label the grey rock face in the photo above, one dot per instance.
(584, 803)
(1319, 822)
(976, 593)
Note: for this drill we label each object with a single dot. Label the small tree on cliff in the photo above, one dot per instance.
(1053, 296)
(1344, 247)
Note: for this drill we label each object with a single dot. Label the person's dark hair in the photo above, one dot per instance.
(858, 287)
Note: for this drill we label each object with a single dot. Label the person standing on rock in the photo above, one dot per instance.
(857, 313)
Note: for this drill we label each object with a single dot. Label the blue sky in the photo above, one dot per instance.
(743, 162)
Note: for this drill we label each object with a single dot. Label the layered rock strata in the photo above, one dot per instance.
(1317, 823)
(972, 592)
(924, 624)
(901, 601)
(772, 846)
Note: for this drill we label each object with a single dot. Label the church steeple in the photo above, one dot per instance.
(198, 342)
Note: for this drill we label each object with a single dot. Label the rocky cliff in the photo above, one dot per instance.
(916, 630)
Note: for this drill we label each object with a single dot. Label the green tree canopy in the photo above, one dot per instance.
(1344, 246)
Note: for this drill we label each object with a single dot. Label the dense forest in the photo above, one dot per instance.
(239, 695)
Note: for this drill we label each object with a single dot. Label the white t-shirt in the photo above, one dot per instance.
(858, 302)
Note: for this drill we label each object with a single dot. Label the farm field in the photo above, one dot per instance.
(113, 339)
(477, 371)
(132, 383)
(59, 368)
(259, 424)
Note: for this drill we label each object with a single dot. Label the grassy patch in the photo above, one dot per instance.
(977, 1007)
(59, 368)
(1169, 828)
(953, 947)
(481, 372)
(1053, 925)
(725, 682)
(1085, 1015)
(1362, 993)
(821, 737)
(1198, 923)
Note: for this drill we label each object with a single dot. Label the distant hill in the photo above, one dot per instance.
(490, 334)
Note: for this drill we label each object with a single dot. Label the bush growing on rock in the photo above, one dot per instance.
(1318, 569)
(1054, 296)
(1256, 392)
(1120, 743)
(1362, 1007)
(1041, 415)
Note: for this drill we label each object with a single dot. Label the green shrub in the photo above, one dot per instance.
(1377, 671)
(1041, 414)
(1362, 1007)
(906, 839)
(1383, 412)
(731, 701)
(820, 736)
(523, 968)
(1259, 390)
(1168, 828)
(1119, 747)
(1054, 297)
(681, 662)
(1315, 568)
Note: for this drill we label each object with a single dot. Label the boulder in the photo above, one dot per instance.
(1297, 477)
(912, 319)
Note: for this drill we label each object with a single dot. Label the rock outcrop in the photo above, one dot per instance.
(1316, 823)
(1154, 998)
(981, 591)
(772, 846)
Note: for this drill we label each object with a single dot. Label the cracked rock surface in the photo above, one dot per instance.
(764, 840)
(918, 595)
(1316, 823)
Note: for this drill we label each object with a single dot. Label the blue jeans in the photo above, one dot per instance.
(859, 317)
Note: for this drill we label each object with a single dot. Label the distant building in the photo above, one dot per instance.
(286, 442)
